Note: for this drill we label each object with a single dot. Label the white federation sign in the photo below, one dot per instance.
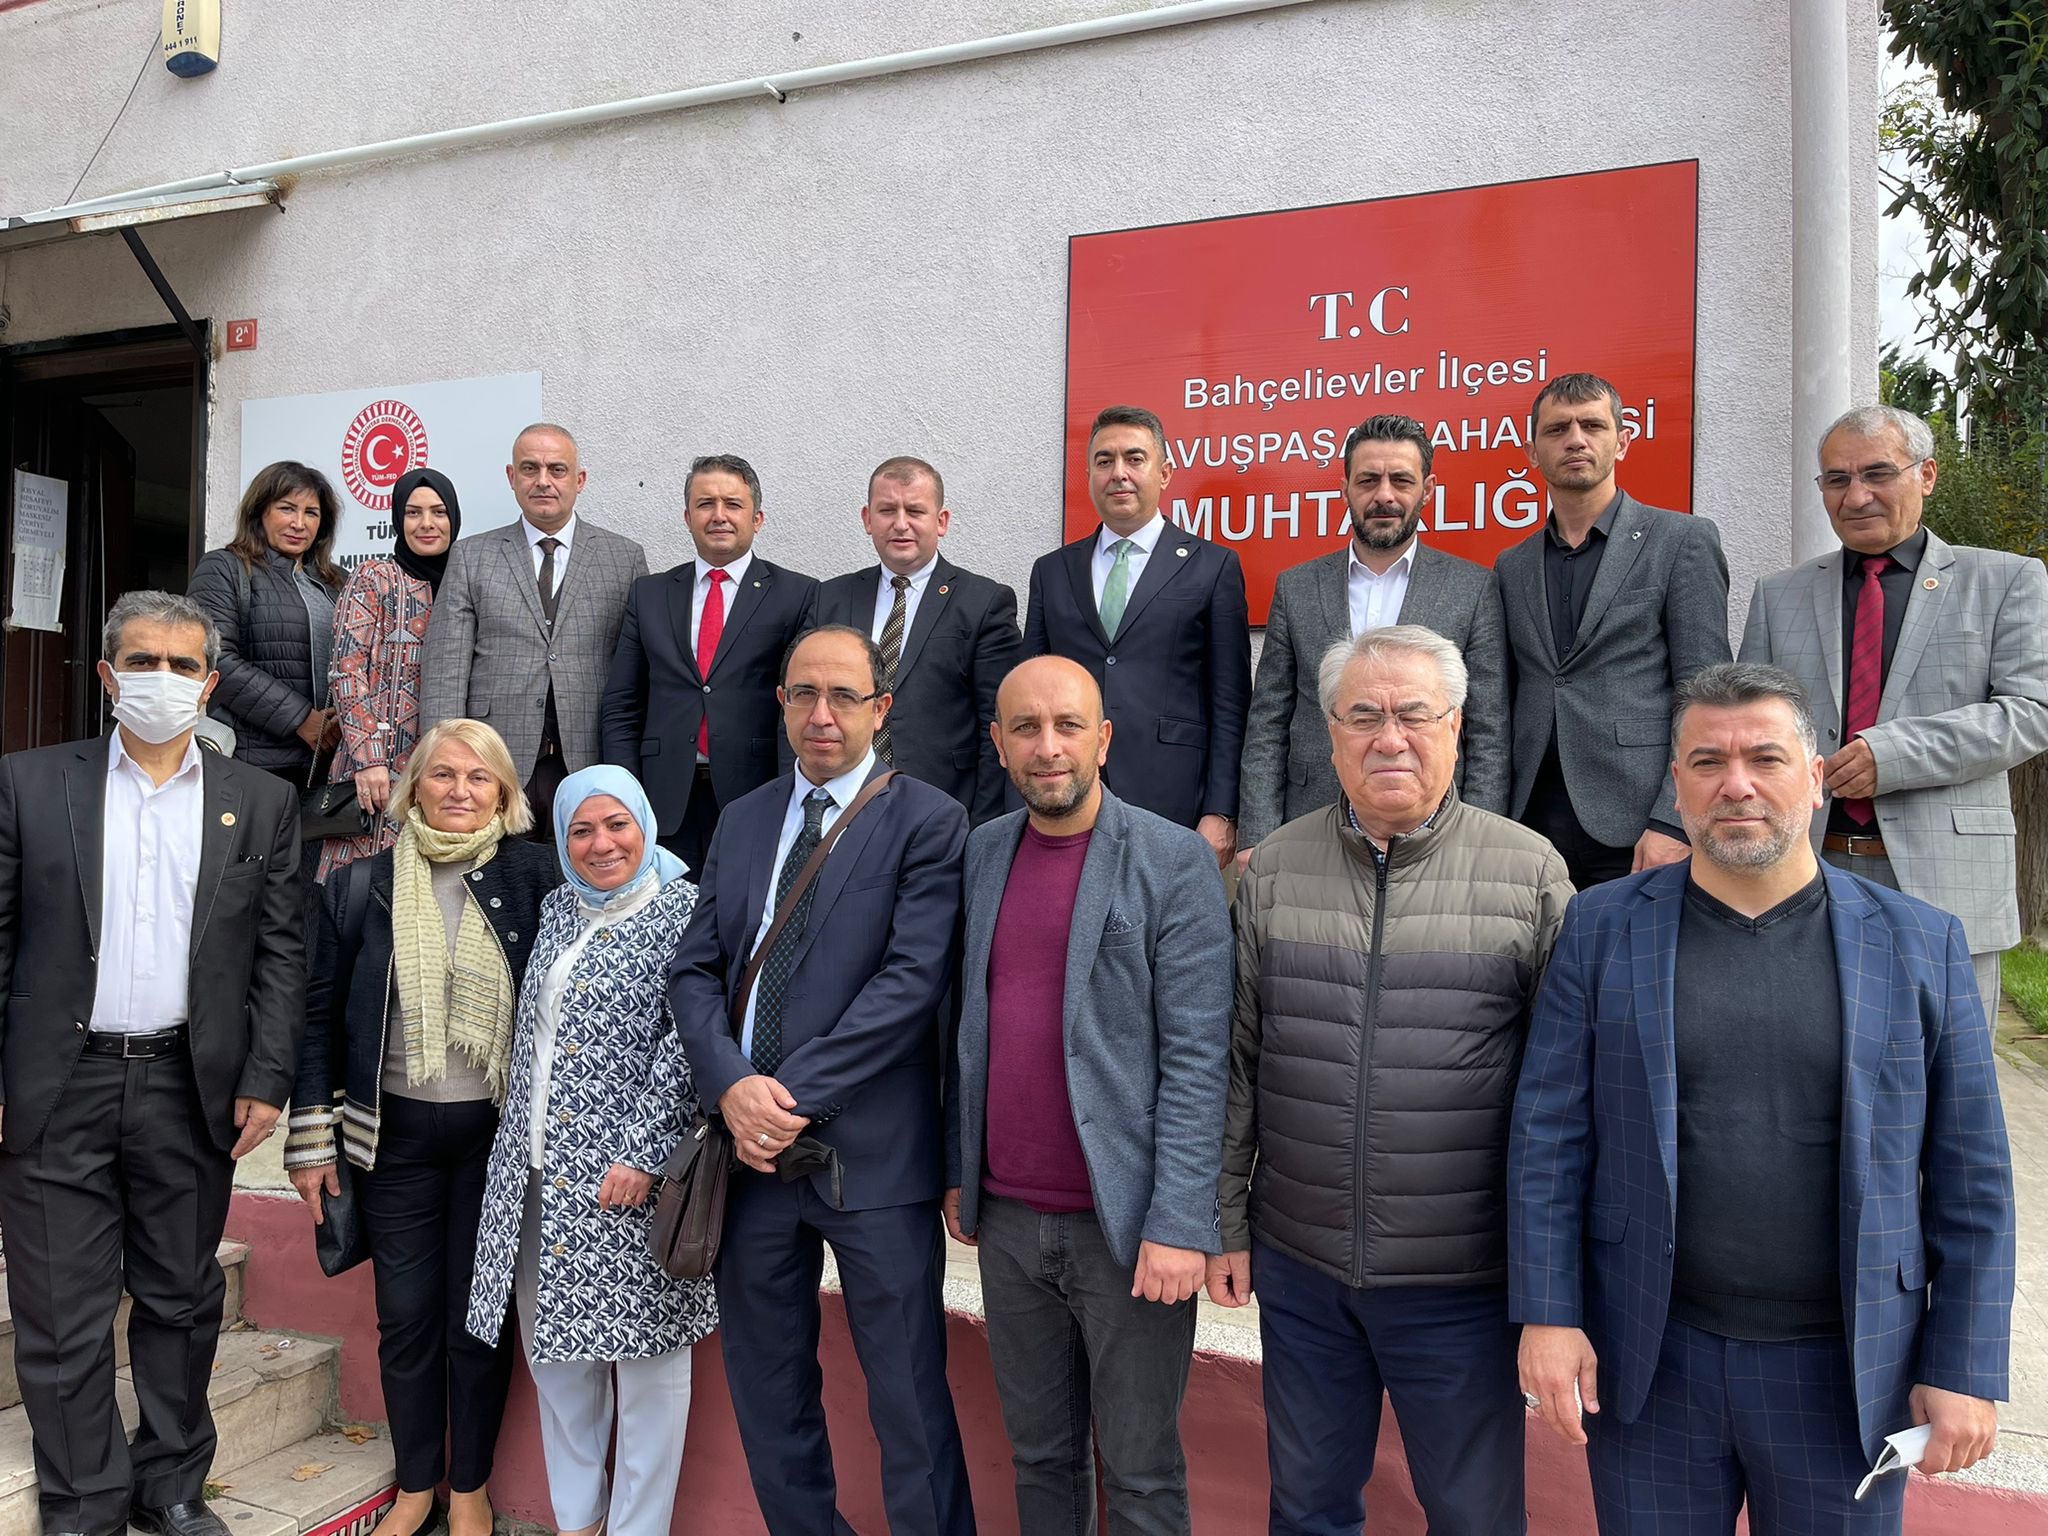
(364, 439)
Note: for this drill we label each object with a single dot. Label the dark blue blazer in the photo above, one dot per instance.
(962, 644)
(1926, 1181)
(861, 1026)
(654, 700)
(1177, 680)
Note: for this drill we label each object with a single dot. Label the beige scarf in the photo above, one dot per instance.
(464, 999)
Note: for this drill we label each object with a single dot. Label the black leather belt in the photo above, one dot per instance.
(144, 1046)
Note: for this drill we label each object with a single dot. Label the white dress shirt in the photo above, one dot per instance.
(149, 876)
(843, 791)
(737, 570)
(1143, 542)
(566, 536)
(547, 1015)
(885, 598)
(1376, 600)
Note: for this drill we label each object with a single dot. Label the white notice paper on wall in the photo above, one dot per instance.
(42, 509)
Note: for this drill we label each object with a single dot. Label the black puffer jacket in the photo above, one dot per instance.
(266, 672)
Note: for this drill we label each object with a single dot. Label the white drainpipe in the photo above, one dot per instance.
(776, 87)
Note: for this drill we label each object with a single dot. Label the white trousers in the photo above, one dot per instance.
(577, 1411)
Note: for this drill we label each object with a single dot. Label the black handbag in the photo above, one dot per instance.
(339, 1240)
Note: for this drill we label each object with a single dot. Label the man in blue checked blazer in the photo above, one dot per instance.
(1760, 1201)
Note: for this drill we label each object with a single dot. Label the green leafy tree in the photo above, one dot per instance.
(1970, 150)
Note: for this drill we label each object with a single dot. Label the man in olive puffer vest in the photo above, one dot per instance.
(1388, 953)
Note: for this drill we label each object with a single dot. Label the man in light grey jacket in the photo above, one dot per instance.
(526, 620)
(1926, 667)
(1086, 1132)
(1384, 575)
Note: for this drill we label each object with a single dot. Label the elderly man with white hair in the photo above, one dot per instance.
(1388, 953)
(1927, 667)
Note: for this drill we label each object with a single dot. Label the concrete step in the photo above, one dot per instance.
(269, 1392)
(331, 1484)
(232, 1257)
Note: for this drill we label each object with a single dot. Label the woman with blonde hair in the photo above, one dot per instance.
(413, 1075)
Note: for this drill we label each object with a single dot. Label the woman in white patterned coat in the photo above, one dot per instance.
(599, 1095)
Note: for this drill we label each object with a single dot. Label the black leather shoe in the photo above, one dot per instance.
(191, 1518)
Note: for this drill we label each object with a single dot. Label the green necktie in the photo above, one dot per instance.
(1116, 591)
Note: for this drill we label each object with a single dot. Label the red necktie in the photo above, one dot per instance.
(708, 631)
(1866, 670)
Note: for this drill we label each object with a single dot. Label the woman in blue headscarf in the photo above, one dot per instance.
(599, 1096)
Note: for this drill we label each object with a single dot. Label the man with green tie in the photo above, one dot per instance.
(1158, 617)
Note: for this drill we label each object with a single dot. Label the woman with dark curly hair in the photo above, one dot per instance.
(271, 593)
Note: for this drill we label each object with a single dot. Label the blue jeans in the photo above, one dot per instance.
(1445, 1355)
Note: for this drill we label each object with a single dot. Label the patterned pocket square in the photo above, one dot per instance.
(1116, 922)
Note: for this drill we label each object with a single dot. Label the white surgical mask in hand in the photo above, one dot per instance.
(156, 706)
(1901, 1451)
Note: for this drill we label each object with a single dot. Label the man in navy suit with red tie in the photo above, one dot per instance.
(1158, 618)
(689, 707)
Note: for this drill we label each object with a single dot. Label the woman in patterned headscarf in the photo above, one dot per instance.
(599, 1096)
(380, 625)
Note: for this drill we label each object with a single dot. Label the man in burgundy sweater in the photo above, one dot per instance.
(1086, 1127)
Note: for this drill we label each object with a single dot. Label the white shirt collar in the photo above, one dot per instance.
(567, 533)
(842, 789)
(1146, 538)
(1405, 565)
(117, 754)
(736, 568)
(918, 577)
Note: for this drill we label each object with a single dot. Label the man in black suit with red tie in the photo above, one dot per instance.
(948, 638)
(689, 707)
(1158, 618)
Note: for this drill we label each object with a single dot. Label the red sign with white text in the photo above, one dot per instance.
(1261, 340)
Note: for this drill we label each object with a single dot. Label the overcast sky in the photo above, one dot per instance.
(1901, 246)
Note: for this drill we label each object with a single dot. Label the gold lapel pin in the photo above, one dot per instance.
(227, 818)
(944, 590)
(1930, 583)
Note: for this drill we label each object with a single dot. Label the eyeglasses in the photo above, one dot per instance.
(1370, 722)
(841, 701)
(1875, 476)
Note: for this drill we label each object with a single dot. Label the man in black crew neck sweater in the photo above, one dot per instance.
(1796, 1129)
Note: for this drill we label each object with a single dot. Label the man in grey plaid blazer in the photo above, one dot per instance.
(1385, 575)
(1748, 1278)
(1955, 690)
(526, 619)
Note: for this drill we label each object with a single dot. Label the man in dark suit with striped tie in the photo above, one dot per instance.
(838, 1043)
(948, 638)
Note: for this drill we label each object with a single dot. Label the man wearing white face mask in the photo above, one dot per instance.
(153, 970)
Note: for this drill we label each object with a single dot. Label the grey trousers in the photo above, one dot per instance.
(1069, 1343)
(1878, 868)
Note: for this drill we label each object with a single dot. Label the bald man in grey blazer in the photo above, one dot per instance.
(1956, 692)
(1385, 575)
(526, 619)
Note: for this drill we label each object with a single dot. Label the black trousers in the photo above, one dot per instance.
(691, 839)
(443, 1386)
(1549, 811)
(125, 1183)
